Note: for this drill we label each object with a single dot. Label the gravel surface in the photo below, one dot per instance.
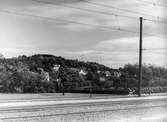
(134, 110)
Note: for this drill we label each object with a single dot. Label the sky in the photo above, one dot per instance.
(105, 31)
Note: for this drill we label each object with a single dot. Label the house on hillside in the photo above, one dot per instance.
(104, 79)
(44, 74)
(83, 72)
(108, 74)
(56, 67)
(120, 79)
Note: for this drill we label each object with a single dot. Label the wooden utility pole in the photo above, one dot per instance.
(90, 90)
(63, 88)
(140, 58)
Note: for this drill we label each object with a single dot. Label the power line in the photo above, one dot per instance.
(68, 21)
(101, 12)
(152, 3)
(161, 53)
(74, 22)
(124, 10)
(156, 21)
(154, 49)
(83, 9)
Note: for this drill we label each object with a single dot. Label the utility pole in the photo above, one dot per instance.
(63, 88)
(90, 90)
(140, 58)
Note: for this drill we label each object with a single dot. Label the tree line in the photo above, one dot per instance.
(23, 75)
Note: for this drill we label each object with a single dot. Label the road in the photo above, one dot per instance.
(98, 109)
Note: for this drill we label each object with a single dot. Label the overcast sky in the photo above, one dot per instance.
(26, 34)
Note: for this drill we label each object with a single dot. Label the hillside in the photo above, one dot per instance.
(48, 73)
(48, 61)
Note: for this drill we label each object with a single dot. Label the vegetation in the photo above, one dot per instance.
(36, 74)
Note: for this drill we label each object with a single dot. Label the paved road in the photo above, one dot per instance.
(129, 109)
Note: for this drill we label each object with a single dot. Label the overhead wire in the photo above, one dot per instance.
(155, 21)
(162, 53)
(84, 9)
(75, 22)
(72, 21)
(102, 12)
(155, 49)
(87, 24)
(68, 21)
(123, 10)
(152, 3)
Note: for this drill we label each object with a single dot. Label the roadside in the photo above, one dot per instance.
(5, 98)
(74, 100)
